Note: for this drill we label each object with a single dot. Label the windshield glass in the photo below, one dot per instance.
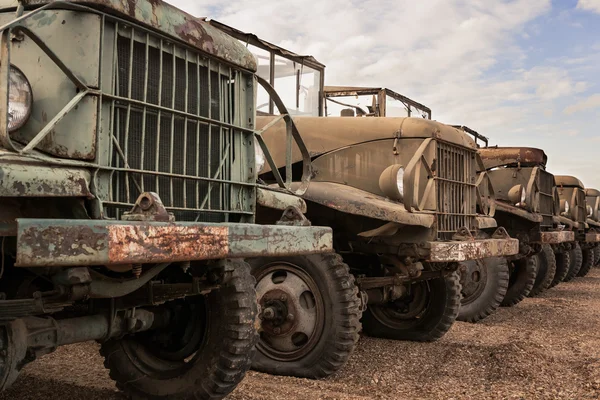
(360, 105)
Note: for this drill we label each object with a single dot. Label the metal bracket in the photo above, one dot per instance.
(463, 234)
(293, 216)
(148, 207)
(500, 233)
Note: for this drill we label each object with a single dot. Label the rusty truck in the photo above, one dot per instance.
(129, 194)
(574, 213)
(525, 205)
(401, 197)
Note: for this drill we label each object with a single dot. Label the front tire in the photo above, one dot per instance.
(427, 317)
(484, 284)
(203, 354)
(563, 261)
(546, 262)
(310, 315)
(589, 256)
(522, 279)
(575, 265)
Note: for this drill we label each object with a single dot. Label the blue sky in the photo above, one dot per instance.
(523, 72)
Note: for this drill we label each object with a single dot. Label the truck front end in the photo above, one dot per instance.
(129, 187)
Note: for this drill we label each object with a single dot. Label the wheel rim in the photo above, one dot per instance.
(404, 311)
(170, 352)
(473, 280)
(292, 312)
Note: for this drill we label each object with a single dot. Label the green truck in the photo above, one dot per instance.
(129, 194)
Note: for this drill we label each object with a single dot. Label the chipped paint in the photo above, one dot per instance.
(471, 249)
(68, 242)
(558, 237)
(171, 21)
(154, 244)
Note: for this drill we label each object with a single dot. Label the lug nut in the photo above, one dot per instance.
(283, 297)
(290, 317)
(277, 331)
(268, 313)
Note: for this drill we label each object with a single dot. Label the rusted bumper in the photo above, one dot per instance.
(558, 237)
(43, 243)
(471, 249)
(592, 237)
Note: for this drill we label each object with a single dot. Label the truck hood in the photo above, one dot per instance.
(324, 134)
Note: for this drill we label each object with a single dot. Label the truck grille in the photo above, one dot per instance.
(174, 133)
(456, 196)
(580, 209)
(546, 186)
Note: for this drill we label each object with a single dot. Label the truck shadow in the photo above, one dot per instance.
(29, 387)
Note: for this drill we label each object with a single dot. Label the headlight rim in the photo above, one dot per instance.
(31, 99)
(388, 182)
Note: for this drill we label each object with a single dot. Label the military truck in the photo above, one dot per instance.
(351, 101)
(129, 193)
(525, 206)
(592, 199)
(401, 196)
(574, 214)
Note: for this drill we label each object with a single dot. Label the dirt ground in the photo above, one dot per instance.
(547, 347)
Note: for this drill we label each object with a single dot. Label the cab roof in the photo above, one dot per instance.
(592, 192)
(161, 16)
(566, 180)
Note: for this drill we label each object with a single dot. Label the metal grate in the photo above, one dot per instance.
(456, 196)
(174, 130)
(546, 187)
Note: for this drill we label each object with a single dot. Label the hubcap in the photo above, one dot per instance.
(406, 309)
(473, 280)
(292, 312)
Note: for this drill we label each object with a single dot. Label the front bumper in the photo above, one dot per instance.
(471, 249)
(558, 237)
(45, 243)
(592, 237)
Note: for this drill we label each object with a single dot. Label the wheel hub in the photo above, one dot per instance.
(473, 280)
(292, 311)
(278, 315)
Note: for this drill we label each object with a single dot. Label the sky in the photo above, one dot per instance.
(522, 72)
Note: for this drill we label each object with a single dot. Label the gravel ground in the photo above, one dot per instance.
(547, 347)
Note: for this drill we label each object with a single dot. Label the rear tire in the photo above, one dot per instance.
(563, 261)
(208, 359)
(575, 265)
(546, 262)
(435, 317)
(484, 284)
(588, 261)
(318, 340)
(596, 255)
(521, 281)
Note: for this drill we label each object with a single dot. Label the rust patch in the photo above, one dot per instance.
(493, 157)
(132, 243)
(58, 243)
(558, 237)
(472, 250)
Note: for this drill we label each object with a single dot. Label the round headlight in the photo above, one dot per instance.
(259, 157)
(20, 98)
(391, 182)
(590, 211)
(564, 207)
(516, 195)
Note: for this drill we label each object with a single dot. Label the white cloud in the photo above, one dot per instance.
(589, 5)
(588, 103)
(474, 62)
